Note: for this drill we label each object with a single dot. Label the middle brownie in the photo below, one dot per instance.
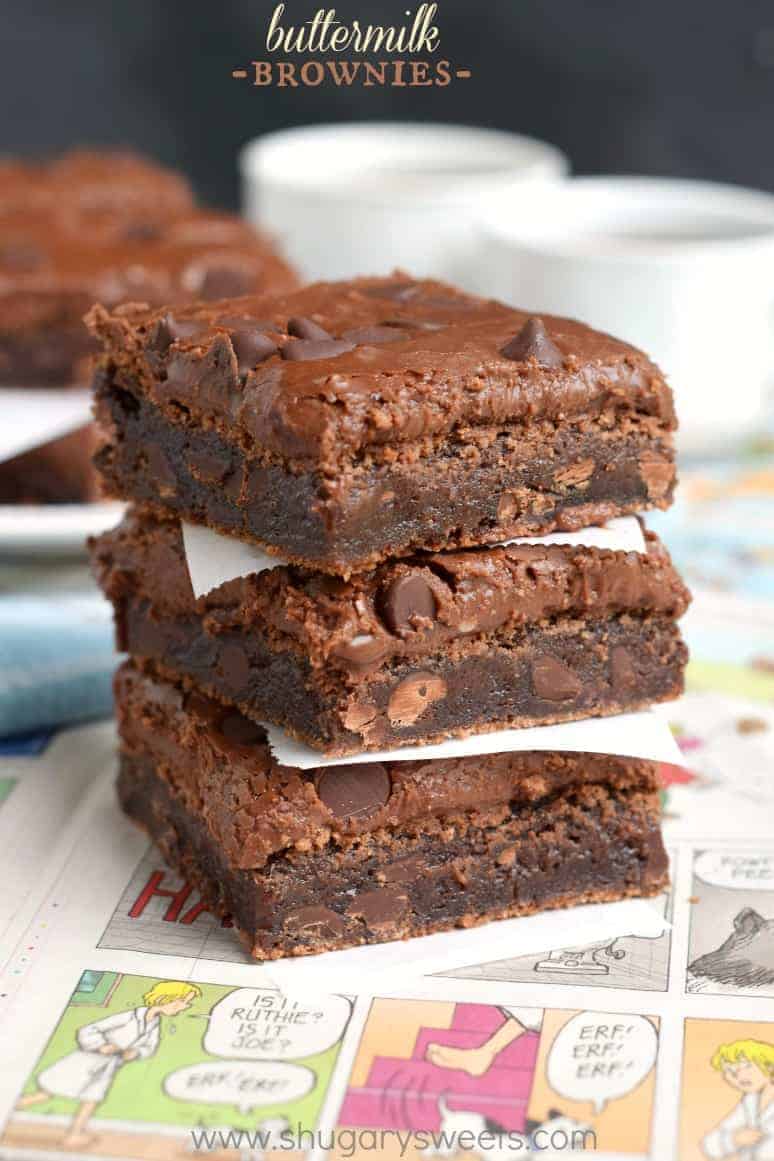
(412, 651)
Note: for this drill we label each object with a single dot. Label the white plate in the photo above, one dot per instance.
(53, 529)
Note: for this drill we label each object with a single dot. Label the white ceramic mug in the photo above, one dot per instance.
(683, 269)
(366, 198)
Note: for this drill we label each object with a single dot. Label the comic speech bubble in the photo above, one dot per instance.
(260, 1024)
(248, 1085)
(598, 1057)
(745, 872)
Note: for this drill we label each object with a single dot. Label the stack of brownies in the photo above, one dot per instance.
(384, 441)
(108, 227)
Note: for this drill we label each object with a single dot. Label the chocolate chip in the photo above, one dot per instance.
(251, 347)
(306, 328)
(359, 718)
(384, 907)
(415, 324)
(533, 342)
(301, 350)
(507, 507)
(623, 675)
(394, 291)
(367, 336)
(239, 729)
(427, 324)
(362, 651)
(413, 696)
(159, 338)
(405, 601)
(168, 330)
(320, 920)
(234, 667)
(207, 465)
(217, 281)
(142, 232)
(659, 476)
(354, 791)
(161, 469)
(20, 256)
(552, 680)
(575, 475)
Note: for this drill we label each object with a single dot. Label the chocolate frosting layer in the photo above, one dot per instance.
(222, 768)
(391, 361)
(398, 610)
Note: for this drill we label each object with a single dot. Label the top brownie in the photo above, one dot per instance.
(349, 422)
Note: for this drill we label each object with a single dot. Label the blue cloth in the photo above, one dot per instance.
(56, 657)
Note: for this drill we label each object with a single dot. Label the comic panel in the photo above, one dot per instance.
(160, 914)
(160, 1069)
(436, 1078)
(727, 1105)
(637, 962)
(731, 944)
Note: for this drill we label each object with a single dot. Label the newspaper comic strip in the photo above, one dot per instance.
(727, 1106)
(502, 1078)
(145, 1067)
(732, 924)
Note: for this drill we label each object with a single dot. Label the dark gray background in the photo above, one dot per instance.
(683, 87)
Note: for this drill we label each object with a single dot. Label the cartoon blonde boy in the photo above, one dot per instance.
(747, 1133)
(104, 1047)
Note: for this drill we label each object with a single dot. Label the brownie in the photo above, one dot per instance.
(412, 650)
(55, 264)
(307, 861)
(350, 422)
(92, 182)
(57, 472)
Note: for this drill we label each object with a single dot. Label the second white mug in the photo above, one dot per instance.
(683, 269)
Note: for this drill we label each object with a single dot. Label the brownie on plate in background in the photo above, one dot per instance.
(109, 228)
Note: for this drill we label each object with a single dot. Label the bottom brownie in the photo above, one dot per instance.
(309, 861)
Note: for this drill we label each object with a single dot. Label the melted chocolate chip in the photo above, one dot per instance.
(20, 256)
(251, 347)
(239, 729)
(427, 324)
(394, 291)
(168, 330)
(234, 666)
(303, 350)
(381, 908)
(624, 676)
(553, 680)
(405, 600)
(320, 921)
(306, 328)
(533, 342)
(354, 791)
(368, 336)
(142, 232)
(213, 282)
(163, 471)
(415, 694)
(362, 652)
